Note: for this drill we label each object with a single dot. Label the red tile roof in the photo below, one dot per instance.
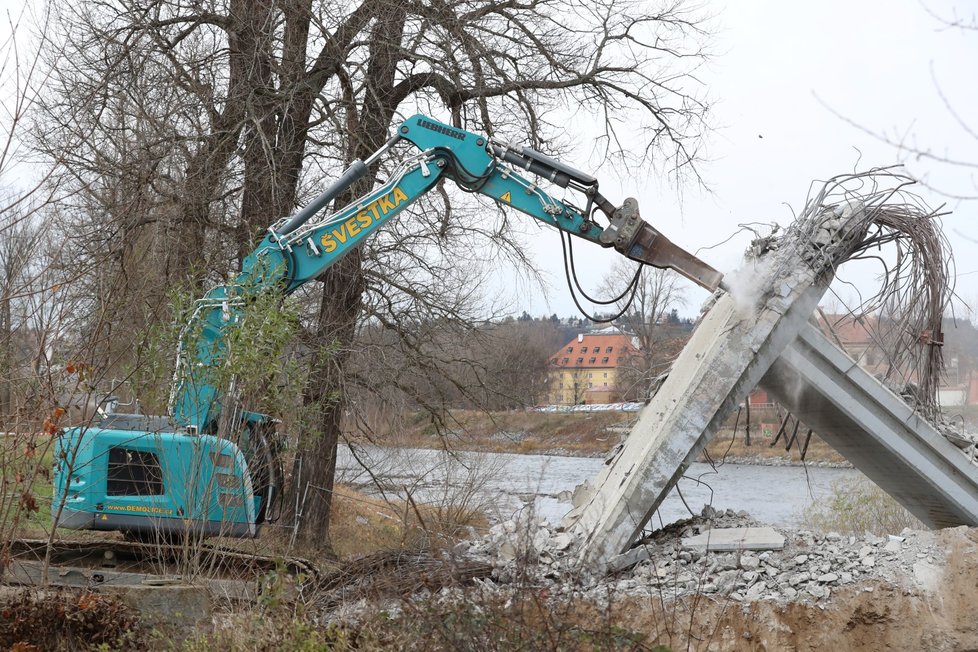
(850, 329)
(594, 352)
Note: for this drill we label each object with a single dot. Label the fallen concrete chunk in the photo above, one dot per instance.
(736, 538)
(628, 559)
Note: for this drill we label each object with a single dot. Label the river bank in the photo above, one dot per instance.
(593, 435)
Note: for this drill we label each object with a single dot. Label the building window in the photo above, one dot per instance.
(604, 360)
(606, 374)
(591, 361)
(583, 349)
(589, 384)
(620, 359)
(608, 350)
(589, 375)
(565, 361)
(570, 349)
(134, 473)
(580, 360)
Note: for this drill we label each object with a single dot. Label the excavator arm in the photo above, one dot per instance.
(299, 248)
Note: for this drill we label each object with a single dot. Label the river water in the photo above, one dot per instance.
(504, 483)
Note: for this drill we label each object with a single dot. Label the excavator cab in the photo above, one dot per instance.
(144, 475)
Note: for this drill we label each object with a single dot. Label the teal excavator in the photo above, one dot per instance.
(174, 474)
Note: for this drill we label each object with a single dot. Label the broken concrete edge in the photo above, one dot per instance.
(29, 573)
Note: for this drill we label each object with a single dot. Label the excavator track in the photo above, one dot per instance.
(227, 572)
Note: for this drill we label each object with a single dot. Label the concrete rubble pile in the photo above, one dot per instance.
(915, 590)
(809, 567)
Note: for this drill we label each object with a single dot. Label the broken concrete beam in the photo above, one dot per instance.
(730, 351)
(736, 538)
(740, 339)
(732, 348)
(876, 430)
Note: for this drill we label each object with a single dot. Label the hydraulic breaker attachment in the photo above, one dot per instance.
(629, 234)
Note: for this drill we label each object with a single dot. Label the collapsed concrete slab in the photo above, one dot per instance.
(732, 348)
(742, 337)
(876, 430)
(735, 538)
(724, 360)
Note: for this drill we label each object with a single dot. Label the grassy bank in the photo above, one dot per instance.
(513, 431)
(590, 435)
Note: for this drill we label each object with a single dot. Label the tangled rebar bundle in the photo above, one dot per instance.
(872, 215)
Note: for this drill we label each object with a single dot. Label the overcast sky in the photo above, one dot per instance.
(777, 66)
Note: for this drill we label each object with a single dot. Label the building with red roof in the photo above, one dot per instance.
(587, 369)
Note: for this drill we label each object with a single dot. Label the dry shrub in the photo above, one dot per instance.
(395, 575)
(859, 506)
(361, 525)
(68, 621)
(524, 620)
(277, 632)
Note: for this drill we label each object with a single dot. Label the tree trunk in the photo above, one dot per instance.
(343, 287)
(6, 350)
(315, 467)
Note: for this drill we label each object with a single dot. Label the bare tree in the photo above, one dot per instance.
(929, 163)
(208, 121)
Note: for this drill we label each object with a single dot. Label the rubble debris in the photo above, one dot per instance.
(527, 553)
(808, 567)
(742, 538)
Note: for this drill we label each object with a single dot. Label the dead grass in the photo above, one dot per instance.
(588, 434)
(362, 525)
(514, 431)
(524, 620)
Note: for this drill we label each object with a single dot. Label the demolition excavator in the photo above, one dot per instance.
(183, 472)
